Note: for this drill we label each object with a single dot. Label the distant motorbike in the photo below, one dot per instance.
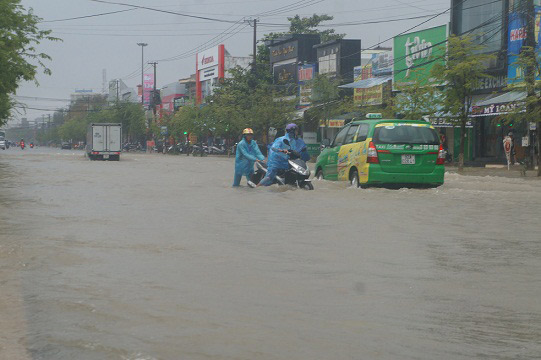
(218, 150)
(31, 145)
(201, 149)
(297, 174)
(22, 145)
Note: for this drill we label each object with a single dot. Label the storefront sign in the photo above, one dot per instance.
(489, 84)
(416, 54)
(357, 71)
(497, 109)
(284, 52)
(209, 73)
(285, 74)
(446, 123)
(310, 137)
(332, 123)
(369, 96)
(328, 59)
(208, 58)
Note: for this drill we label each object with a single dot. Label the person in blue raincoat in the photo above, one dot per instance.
(278, 158)
(247, 154)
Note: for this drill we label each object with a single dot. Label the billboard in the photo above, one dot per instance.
(286, 77)
(516, 37)
(209, 69)
(148, 86)
(369, 96)
(305, 76)
(416, 53)
(382, 63)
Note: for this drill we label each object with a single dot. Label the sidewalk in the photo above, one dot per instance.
(494, 170)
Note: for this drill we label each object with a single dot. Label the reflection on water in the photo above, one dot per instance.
(157, 257)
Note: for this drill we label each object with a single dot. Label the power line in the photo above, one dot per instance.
(87, 16)
(164, 11)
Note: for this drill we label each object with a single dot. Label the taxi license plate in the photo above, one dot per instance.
(408, 159)
(106, 156)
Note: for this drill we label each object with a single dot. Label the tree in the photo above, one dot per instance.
(528, 59)
(19, 56)
(325, 92)
(465, 66)
(416, 100)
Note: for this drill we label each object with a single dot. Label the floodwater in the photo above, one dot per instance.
(157, 257)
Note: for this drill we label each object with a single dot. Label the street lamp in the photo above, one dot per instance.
(142, 45)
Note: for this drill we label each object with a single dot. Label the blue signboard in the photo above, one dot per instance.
(515, 40)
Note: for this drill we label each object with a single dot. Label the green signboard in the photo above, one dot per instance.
(416, 53)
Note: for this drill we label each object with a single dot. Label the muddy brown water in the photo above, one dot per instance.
(157, 257)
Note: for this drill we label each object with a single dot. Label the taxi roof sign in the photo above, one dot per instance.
(373, 116)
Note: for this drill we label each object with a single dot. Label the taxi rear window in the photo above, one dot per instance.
(405, 134)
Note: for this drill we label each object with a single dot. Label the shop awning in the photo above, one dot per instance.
(367, 83)
(503, 98)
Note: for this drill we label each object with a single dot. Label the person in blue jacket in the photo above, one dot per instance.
(278, 158)
(247, 154)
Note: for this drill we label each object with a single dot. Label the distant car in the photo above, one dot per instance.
(4, 144)
(66, 146)
(384, 152)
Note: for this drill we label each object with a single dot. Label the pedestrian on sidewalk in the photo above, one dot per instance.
(246, 155)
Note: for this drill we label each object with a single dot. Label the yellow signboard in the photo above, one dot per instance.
(369, 96)
(332, 123)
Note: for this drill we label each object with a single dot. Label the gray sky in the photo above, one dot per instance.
(110, 42)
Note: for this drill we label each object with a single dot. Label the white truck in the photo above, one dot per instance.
(104, 141)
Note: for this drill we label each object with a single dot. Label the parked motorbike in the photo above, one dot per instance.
(200, 149)
(297, 174)
(218, 150)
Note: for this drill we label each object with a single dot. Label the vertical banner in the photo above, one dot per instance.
(148, 86)
(515, 39)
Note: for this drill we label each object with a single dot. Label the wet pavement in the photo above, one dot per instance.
(157, 257)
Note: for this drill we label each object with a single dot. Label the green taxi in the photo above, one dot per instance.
(376, 151)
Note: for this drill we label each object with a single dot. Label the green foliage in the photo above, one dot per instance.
(20, 59)
(416, 100)
(72, 124)
(241, 101)
(465, 67)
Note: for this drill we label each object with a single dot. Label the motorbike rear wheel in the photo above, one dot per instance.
(307, 186)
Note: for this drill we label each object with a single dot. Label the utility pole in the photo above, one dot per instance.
(154, 88)
(254, 60)
(142, 45)
(255, 46)
(117, 90)
(529, 76)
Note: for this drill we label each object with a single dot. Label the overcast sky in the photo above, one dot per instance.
(110, 41)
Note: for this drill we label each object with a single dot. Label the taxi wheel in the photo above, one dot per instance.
(319, 174)
(354, 179)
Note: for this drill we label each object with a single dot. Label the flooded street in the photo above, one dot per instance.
(157, 257)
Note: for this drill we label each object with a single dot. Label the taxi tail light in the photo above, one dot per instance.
(372, 154)
(441, 156)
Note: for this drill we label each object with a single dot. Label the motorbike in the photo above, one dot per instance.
(22, 145)
(200, 149)
(298, 173)
(31, 145)
(218, 150)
